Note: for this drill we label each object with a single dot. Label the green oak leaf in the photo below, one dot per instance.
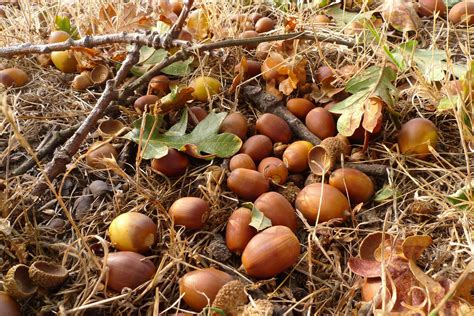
(463, 198)
(431, 62)
(203, 142)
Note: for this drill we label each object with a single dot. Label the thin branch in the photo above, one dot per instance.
(175, 30)
(57, 139)
(64, 155)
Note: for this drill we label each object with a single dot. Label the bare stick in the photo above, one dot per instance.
(268, 103)
(175, 30)
(57, 139)
(149, 39)
(64, 155)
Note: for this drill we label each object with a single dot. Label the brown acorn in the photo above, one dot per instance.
(235, 123)
(8, 306)
(276, 128)
(322, 202)
(247, 184)
(145, 102)
(277, 208)
(190, 212)
(356, 184)
(242, 161)
(238, 230)
(100, 151)
(273, 169)
(271, 252)
(295, 156)
(174, 164)
(321, 123)
(300, 107)
(257, 147)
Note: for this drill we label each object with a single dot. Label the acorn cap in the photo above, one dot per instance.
(323, 157)
(230, 297)
(100, 74)
(17, 282)
(109, 128)
(47, 275)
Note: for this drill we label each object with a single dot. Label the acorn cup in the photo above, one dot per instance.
(100, 74)
(18, 283)
(47, 275)
(323, 157)
(110, 128)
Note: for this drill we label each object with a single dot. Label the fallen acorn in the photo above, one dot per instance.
(356, 184)
(133, 231)
(200, 287)
(271, 252)
(13, 77)
(8, 306)
(17, 282)
(47, 275)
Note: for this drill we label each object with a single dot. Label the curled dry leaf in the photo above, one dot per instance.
(240, 75)
(401, 15)
(287, 73)
(414, 246)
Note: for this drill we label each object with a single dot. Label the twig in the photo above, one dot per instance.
(268, 103)
(149, 39)
(57, 139)
(176, 28)
(63, 156)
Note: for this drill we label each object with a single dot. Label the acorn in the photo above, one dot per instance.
(430, 7)
(64, 61)
(321, 123)
(263, 49)
(325, 75)
(273, 126)
(249, 34)
(81, 81)
(98, 152)
(13, 77)
(205, 87)
(247, 184)
(234, 123)
(277, 208)
(322, 202)
(238, 230)
(300, 107)
(323, 157)
(159, 85)
(47, 275)
(199, 114)
(200, 287)
(190, 212)
(321, 19)
(133, 231)
(173, 164)
(255, 17)
(257, 147)
(127, 269)
(271, 252)
(58, 37)
(295, 157)
(17, 282)
(354, 183)
(462, 12)
(264, 24)
(8, 306)
(242, 161)
(253, 68)
(145, 102)
(416, 136)
(273, 169)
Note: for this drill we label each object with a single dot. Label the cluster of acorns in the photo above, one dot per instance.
(253, 172)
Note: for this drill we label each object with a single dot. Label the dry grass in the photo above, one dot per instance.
(321, 282)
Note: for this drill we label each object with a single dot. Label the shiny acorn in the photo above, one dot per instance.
(133, 231)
